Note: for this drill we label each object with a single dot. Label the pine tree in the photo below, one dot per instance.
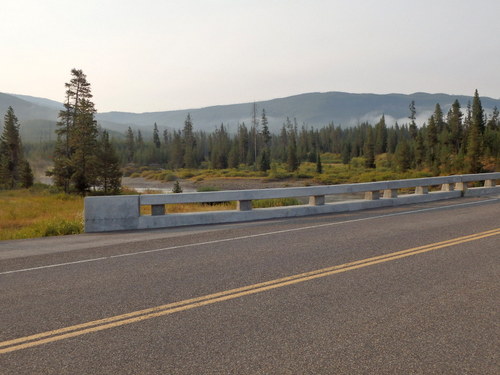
(109, 174)
(264, 161)
(177, 187)
(403, 155)
(455, 126)
(491, 138)
(368, 149)
(474, 150)
(438, 118)
(189, 143)
(176, 151)
(130, 145)
(420, 149)
(220, 148)
(26, 181)
(75, 155)
(475, 134)
(346, 153)
(319, 166)
(478, 113)
(432, 142)
(243, 143)
(381, 136)
(139, 141)
(156, 136)
(14, 169)
(234, 157)
(255, 133)
(413, 126)
(494, 121)
(266, 135)
(392, 139)
(292, 161)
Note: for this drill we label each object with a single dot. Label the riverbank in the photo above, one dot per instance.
(223, 183)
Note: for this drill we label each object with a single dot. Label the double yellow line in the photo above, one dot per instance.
(171, 308)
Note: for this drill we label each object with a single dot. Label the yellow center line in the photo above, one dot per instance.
(140, 315)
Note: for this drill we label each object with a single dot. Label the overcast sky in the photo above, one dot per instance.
(153, 55)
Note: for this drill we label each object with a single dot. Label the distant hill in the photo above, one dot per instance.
(38, 115)
(313, 109)
(41, 101)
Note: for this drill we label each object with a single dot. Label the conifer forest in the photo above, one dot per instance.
(86, 158)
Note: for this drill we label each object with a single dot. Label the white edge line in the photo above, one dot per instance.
(243, 237)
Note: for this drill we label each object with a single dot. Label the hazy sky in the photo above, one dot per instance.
(153, 55)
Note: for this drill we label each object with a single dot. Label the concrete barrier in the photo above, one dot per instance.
(112, 213)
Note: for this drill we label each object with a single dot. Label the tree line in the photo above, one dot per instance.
(86, 160)
(462, 141)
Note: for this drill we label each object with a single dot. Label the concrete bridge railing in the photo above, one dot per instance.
(111, 213)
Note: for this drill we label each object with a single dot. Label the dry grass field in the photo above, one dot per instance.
(38, 212)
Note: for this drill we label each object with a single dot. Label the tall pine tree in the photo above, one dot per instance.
(475, 135)
(109, 175)
(15, 171)
(75, 160)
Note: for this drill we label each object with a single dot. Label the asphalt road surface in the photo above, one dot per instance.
(406, 290)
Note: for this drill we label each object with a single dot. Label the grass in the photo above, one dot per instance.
(222, 206)
(334, 172)
(39, 212)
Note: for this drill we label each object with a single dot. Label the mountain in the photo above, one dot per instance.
(38, 115)
(41, 101)
(313, 109)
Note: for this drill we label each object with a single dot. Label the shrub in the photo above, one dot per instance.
(177, 188)
(276, 202)
(60, 227)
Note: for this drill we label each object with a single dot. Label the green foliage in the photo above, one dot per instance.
(61, 227)
(75, 160)
(443, 145)
(265, 161)
(177, 188)
(319, 166)
(82, 161)
(109, 176)
(369, 149)
(15, 170)
(292, 160)
(27, 179)
(403, 156)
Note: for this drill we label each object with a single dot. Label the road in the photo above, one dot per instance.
(405, 290)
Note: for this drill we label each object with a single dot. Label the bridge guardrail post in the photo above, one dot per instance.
(390, 193)
(448, 187)
(316, 200)
(462, 186)
(420, 190)
(372, 195)
(244, 205)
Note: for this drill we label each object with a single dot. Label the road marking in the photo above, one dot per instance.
(167, 309)
(242, 237)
